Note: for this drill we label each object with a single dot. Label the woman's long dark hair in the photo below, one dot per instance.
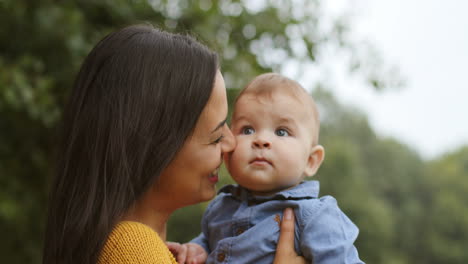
(135, 101)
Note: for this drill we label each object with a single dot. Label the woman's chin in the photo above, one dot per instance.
(210, 195)
(207, 195)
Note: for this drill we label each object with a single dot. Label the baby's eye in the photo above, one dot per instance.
(248, 130)
(282, 132)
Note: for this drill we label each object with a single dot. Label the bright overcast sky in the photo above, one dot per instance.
(428, 41)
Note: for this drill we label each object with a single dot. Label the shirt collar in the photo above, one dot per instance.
(304, 190)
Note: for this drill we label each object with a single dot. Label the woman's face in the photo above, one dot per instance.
(191, 177)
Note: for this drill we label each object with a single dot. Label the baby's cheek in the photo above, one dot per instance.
(234, 163)
(240, 152)
(293, 161)
(292, 155)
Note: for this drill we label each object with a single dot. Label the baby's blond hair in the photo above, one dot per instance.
(265, 85)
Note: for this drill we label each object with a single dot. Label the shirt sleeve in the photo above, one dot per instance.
(328, 235)
(202, 238)
(202, 241)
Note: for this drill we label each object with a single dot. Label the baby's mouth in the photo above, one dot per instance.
(260, 161)
(213, 177)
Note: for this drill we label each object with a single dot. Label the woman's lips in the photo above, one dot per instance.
(214, 176)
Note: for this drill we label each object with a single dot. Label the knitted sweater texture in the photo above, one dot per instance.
(133, 242)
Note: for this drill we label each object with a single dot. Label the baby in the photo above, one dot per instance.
(276, 125)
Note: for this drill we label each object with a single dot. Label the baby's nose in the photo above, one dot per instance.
(261, 143)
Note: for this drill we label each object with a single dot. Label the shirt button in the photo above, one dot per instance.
(240, 231)
(221, 257)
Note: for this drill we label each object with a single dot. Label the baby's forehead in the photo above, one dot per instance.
(305, 109)
(266, 87)
(269, 84)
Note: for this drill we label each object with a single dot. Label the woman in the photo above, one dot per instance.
(144, 132)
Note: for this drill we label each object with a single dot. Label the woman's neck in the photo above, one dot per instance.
(145, 212)
(157, 222)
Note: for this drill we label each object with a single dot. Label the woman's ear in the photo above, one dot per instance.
(317, 154)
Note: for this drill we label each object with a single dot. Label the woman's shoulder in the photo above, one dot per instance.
(131, 229)
(133, 242)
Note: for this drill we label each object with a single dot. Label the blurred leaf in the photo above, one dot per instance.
(408, 210)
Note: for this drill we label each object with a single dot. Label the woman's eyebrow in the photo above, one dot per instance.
(221, 124)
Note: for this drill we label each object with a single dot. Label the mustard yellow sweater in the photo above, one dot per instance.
(133, 242)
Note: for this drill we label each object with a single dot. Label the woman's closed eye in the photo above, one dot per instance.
(216, 141)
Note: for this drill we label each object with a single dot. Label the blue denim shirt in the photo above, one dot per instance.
(238, 227)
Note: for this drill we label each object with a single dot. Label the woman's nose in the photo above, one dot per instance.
(228, 142)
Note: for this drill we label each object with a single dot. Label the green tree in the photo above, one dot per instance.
(396, 199)
(445, 216)
(358, 169)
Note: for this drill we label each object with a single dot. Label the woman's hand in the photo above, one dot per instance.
(285, 252)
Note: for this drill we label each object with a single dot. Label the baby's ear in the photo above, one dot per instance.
(317, 154)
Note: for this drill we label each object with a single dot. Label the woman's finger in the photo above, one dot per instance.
(285, 252)
(287, 233)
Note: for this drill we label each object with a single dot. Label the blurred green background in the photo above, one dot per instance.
(409, 210)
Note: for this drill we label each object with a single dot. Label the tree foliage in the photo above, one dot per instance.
(408, 210)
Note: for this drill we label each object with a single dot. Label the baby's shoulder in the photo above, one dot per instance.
(318, 207)
(325, 214)
(225, 198)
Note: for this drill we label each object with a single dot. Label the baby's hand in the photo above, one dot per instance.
(189, 253)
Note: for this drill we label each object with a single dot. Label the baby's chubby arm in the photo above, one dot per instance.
(190, 253)
(327, 234)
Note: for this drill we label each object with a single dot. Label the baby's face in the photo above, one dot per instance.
(274, 142)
